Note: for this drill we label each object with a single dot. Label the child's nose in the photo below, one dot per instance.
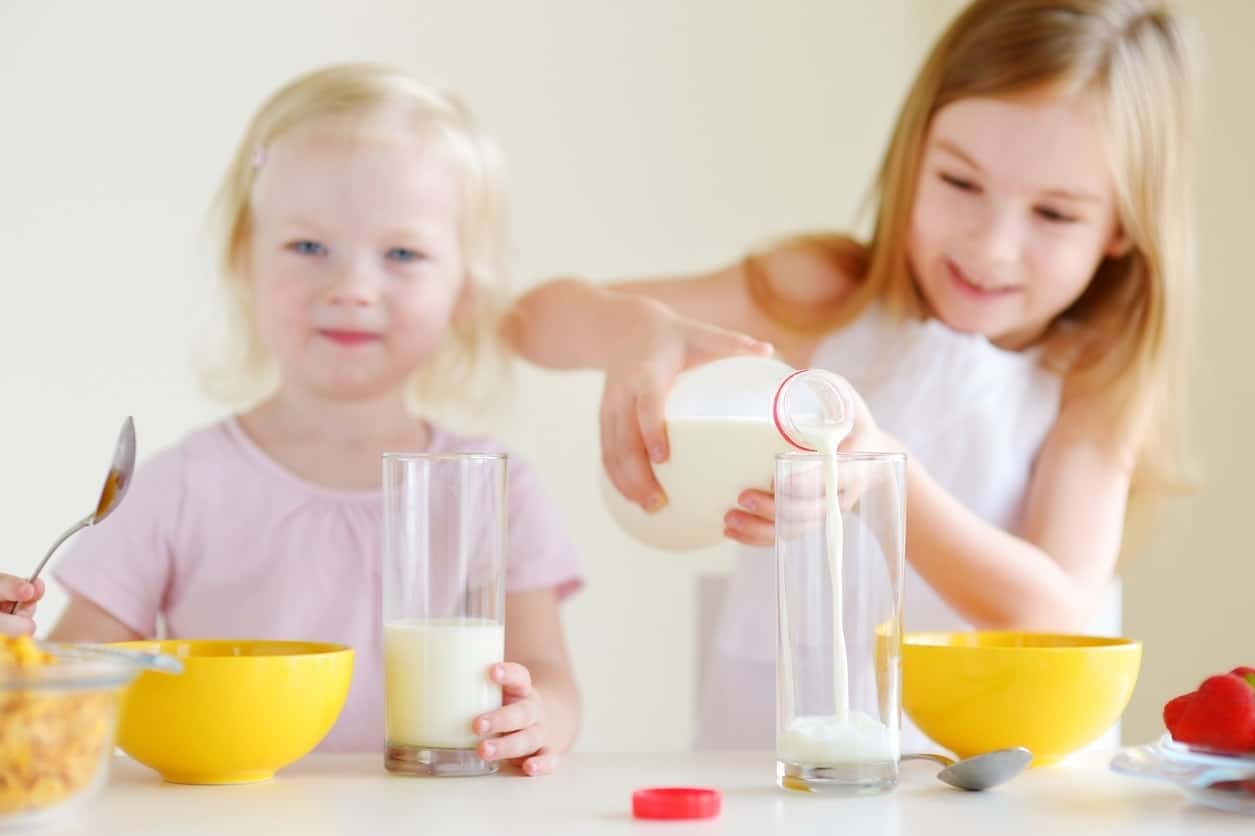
(1000, 237)
(353, 287)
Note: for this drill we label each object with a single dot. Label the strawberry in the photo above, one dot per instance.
(1174, 710)
(1220, 714)
(1246, 673)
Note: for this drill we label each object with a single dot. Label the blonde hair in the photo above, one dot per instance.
(1131, 58)
(240, 369)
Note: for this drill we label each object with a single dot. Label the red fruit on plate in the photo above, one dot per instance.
(1174, 710)
(1220, 715)
(1246, 673)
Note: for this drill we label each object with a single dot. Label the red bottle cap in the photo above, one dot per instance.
(676, 803)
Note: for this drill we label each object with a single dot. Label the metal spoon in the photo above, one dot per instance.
(979, 772)
(116, 483)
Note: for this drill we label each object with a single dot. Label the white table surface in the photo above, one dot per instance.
(591, 794)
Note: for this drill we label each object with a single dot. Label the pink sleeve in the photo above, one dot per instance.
(541, 555)
(124, 563)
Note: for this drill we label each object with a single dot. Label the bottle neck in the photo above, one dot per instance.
(813, 410)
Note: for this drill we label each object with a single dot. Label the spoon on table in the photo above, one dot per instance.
(116, 483)
(979, 772)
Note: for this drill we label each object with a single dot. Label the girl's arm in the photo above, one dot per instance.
(575, 324)
(84, 621)
(644, 333)
(1072, 527)
(541, 713)
(1050, 578)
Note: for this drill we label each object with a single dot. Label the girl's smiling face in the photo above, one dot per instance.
(1014, 210)
(354, 256)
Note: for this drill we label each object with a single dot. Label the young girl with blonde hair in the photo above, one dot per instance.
(362, 237)
(1015, 324)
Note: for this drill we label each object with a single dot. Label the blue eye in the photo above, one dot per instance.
(307, 248)
(405, 255)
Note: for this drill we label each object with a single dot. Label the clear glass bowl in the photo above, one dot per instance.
(57, 722)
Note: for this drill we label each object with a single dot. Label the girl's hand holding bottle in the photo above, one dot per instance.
(638, 378)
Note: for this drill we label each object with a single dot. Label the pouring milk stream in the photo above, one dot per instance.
(843, 736)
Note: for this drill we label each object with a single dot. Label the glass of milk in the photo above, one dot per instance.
(839, 563)
(443, 607)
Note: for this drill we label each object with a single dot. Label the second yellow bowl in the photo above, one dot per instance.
(239, 711)
(979, 691)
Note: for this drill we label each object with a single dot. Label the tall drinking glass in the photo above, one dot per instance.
(839, 567)
(443, 606)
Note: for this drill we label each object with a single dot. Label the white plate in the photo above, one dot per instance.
(1205, 776)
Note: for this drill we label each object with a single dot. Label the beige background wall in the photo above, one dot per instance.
(644, 137)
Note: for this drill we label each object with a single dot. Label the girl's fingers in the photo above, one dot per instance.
(514, 678)
(27, 608)
(649, 415)
(515, 745)
(748, 529)
(759, 503)
(16, 625)
(611, 446)
(784, 507)
(802, 512)
(633, 460)
(543, 762)
(13, 588)
(850, 494)
(709, 342)
(623, 455)
(509, 718)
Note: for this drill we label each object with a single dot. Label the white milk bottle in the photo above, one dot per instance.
(725, 421)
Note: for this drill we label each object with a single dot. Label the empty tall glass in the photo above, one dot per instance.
(838, 669)
(443, 606)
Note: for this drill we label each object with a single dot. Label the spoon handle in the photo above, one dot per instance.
(927, 756)
(72, 530)
(141, 659)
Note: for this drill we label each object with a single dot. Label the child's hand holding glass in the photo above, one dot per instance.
(517, 732)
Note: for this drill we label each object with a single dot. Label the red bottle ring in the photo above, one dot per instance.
(676, 803)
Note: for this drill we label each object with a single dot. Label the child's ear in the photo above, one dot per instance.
(1120, 243)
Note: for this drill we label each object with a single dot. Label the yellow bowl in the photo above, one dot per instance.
(975, 692)
(239, 711)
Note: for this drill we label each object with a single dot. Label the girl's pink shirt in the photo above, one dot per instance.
(221, 541)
